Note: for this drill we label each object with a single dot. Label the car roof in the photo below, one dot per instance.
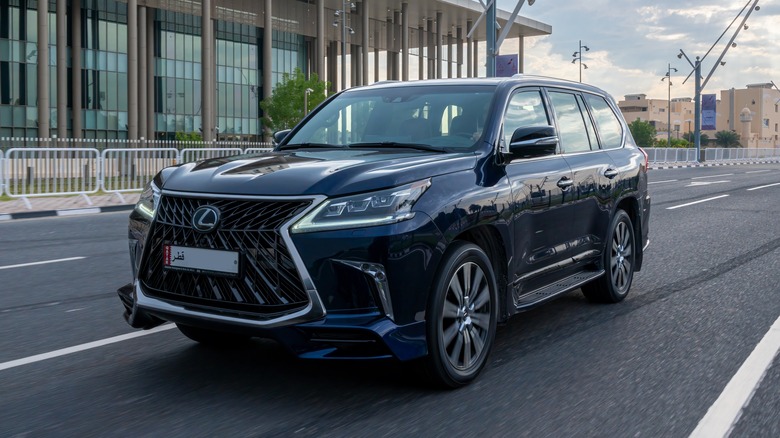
(516, 80)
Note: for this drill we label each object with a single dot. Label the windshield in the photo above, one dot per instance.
(436, 117)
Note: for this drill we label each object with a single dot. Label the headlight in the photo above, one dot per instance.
(148, 201)
(364, 210)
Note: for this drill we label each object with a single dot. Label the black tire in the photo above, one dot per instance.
(460, 325)
(213, 338)
(619, 260)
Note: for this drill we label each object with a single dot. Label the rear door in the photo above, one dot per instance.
(593, 173)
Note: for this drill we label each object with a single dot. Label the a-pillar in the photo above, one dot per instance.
(207, 72)
(43, 69)
(132, 69)
(75, 66)
(62, 70)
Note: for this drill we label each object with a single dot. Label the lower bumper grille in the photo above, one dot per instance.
(268, 283)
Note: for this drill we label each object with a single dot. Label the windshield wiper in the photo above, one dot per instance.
(309, 145)
(394, 144)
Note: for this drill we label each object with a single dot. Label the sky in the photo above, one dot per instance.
(632, 43)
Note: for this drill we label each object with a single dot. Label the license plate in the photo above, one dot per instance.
(201, 261)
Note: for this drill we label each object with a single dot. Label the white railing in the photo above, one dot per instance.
(43, 167)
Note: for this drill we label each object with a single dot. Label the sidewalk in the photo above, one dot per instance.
(66, 205)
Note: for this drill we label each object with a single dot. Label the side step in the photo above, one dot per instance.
(547, 293)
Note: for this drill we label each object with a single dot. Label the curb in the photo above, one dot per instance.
(686, 165)
(68, 212)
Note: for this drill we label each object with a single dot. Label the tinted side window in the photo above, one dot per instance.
(571, 123)
(607, 122)
(526, 108)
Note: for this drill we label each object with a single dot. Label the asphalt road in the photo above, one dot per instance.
(650, 366)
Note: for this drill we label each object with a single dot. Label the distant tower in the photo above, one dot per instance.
(745, 117)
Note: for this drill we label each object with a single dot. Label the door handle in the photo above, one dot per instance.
(564, 183)
(611, 173)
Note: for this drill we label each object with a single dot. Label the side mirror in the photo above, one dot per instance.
(280, 135)
(533, 141)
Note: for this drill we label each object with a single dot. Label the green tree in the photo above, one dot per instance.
(284, 109)
(689, 137)
(643, 133)
(726, 139)
(188, 136)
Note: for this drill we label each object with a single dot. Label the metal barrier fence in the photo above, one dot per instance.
(33, 170)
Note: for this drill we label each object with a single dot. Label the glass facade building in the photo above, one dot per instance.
(119, 69)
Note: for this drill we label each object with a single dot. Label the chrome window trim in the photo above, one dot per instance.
(315, 309)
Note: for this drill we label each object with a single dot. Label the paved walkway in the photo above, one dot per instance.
(66, 205)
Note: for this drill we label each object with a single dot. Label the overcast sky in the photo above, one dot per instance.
(632, 42)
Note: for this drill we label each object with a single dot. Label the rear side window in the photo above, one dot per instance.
(572, 130)
(607, 122)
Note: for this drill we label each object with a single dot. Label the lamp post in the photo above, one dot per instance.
(668, 79)
(341, 19)
(578, 57)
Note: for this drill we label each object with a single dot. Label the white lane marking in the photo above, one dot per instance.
(45, 262)
(723, 415)
(759, 171)
(78, 211)
(696, 202)
(705, 183)
(712, 176)
(74, 310)
(5, 217)
(82, 347)
(661, 182)
(763, 187)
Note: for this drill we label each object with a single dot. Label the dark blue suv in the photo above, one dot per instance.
(399, 220)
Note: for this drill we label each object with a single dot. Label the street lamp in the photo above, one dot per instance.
(306, 101)
(668, 79)
(341, 19)
(578, 57)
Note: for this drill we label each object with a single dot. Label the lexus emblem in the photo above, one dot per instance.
(205, 219)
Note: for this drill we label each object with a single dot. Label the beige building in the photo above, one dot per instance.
(638, 106)
(761, 121)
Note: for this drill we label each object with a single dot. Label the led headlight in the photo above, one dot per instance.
(148, 201)
(364, 210)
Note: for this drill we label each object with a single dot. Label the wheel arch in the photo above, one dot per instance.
(488, 238)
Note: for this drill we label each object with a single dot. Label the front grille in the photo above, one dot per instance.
(268, 283)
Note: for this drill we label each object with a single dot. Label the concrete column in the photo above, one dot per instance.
(132, 69)
(207, 72)
(389, 49)
(75, 58)
(475, 43)
(43, 69)
(469, 54)
(431, 51)
(143, 106)
(405, 41)
(62, 70)
(364, 49)
(320, 52)
(376, 64)
(397, 31)
(354, 63)
(333, 60)
(421, 53)
(438, 46)
(521, 54)
(267, 50)
(449, 55)
(459, 43)
(150, 118)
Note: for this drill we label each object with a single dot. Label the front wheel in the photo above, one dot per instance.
(619, 260)
(461, 317)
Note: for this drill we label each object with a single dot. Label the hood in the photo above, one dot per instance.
(314, 172)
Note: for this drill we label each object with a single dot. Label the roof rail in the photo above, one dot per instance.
(517, 76)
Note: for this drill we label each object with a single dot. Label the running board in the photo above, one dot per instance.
(547, 293)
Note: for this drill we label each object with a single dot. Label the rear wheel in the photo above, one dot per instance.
(619, 261)
(461, 317)
(212, 338)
